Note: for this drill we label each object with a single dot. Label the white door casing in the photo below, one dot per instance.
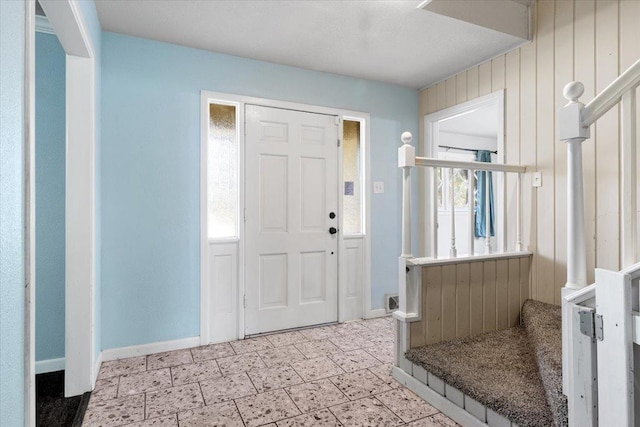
(291, 187)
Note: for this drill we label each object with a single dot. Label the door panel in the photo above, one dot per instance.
(291, 187)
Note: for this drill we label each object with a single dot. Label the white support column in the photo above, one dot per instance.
(472, 209)
(629, 206)
(518, 212)
(453, 252)
(571, 131)
(406, 160)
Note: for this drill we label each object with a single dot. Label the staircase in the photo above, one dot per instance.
(516, 372)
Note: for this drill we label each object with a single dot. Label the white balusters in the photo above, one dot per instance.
(628, 180)
(453, 252)
(472, 211)
(487, 213)
(518, 213)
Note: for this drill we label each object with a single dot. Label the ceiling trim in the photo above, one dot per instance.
(43, 25)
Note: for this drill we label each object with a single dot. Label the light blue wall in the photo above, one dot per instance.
(50, 199)
(12, 244)
(150, 174)
(90, 14)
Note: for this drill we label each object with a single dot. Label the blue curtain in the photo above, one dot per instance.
(481, 197)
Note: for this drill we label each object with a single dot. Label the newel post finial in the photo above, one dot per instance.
(406, 160)
(572, 91)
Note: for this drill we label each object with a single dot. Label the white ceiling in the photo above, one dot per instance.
(482, 122)
(385, 40)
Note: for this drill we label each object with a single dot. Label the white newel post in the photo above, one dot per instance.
(408, 284)
(573, 133)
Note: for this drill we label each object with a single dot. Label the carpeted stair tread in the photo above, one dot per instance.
(543, 323)
(498, 369)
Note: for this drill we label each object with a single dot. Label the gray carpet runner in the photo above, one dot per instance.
(515, 372)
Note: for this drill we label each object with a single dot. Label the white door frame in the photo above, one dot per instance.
(67, 20)
(235, 322)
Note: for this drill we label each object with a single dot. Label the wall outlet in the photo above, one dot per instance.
(537, 179)
(378, 187)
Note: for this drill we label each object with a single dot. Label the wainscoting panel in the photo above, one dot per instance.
(471, 296)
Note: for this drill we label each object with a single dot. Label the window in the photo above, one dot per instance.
(222, 173)
(352, 176)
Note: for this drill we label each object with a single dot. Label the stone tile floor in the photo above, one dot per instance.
(336, 375)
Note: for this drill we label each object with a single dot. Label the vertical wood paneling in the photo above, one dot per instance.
(512, 139)
(584, 71)
(563, 61)
(489, 295)
(461, 87)
(450, 88)
(545, 155)
(484, 78)
(585, 40)
(607, 147)
(469, 298)
(476, 296)
(472, 83)
(502, 294)
(433, 315)
(462, 300)
(448, 302)
(514, 292)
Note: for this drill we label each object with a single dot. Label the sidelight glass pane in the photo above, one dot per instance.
(222, 172)
(352, 191)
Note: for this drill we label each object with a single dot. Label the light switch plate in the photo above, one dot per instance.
(378, 187)
(537, 179)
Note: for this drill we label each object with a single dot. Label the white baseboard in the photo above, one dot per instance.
(145, 349)
(49, 365)
(378, 312)
(96, 370)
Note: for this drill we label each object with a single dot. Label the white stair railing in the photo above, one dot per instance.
(598, 371)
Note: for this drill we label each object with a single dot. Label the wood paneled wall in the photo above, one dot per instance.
(469, 298)
(586, 40)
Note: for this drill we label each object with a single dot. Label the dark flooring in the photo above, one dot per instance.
(52, 408)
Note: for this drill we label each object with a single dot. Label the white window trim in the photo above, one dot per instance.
(240, 102)
(428, 208)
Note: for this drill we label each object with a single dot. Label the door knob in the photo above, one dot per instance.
(332, 215)
(333, 230)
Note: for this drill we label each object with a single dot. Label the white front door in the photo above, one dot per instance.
(291, 201)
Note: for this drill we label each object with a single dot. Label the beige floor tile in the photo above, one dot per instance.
(141, 382)
(350, 342)
(438, 420)
(406, 404)
(359, 384)
(172, 400)
(349, 328)
(240, 363)
(286, 338)
(115, 368)
(274, 378)
(281, 355)
(314, 369)
(378, 338)
(322, 418)
(105, 389)
(212, 351)
(266, 408)
(114, 412)
(354, 360)
(380, 323)
(227, 388)
(320, 333)
(384, 373)
(315, 395)
(384, 353)
(168, 359)
(251, 344)
(319, 348)
(222, 414)
(195, 372)
(367, 412)
(166, 421)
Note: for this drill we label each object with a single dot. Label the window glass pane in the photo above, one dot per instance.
(352, 194)
(222, 172)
